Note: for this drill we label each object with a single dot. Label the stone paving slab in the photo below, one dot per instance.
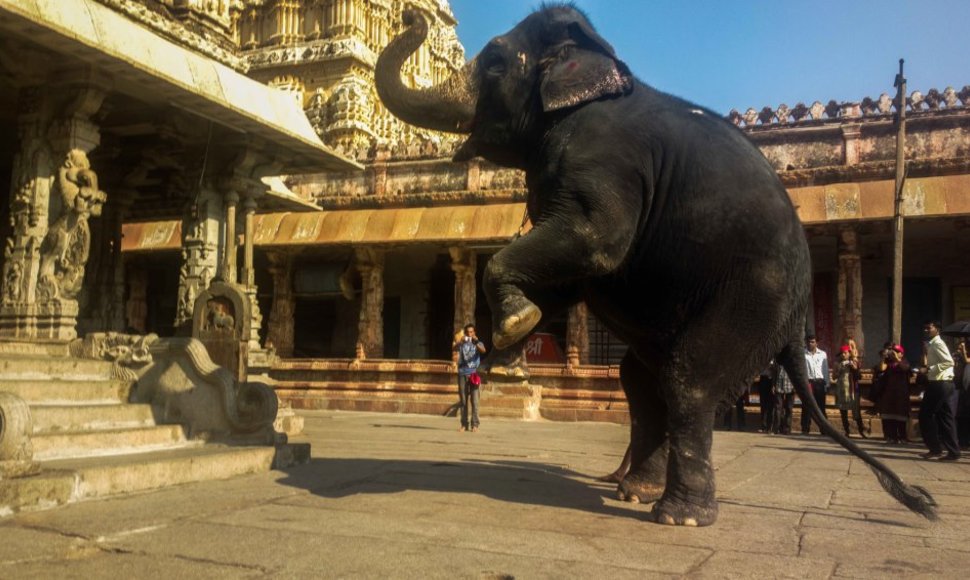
(407, 496)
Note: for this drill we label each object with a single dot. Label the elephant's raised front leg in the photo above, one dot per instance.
(559, 252)
(510, 361)
(648, 433)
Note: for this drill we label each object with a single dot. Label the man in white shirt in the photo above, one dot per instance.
(818, 379)
(937, 410)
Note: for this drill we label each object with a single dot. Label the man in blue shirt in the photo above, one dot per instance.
(469, 350)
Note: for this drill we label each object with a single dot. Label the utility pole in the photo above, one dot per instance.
(897, 321)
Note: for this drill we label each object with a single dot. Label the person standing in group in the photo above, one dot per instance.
(962, 378)
(469, 350)
(890, 393)
(784, 400)
(847, 376)
(937, 411)
(818, 379)
(766, 399)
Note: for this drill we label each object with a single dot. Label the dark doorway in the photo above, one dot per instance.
(314, 320)
(922, 301)
(483, 314)
(441, 309)
(392, 326)
(162, 292)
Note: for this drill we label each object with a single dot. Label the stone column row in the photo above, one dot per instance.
(369, 264)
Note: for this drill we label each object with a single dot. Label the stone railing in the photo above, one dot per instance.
(179, 379)
(933, 100)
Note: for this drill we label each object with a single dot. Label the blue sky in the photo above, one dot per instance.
(727, 54)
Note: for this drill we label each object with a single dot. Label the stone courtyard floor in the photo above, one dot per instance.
(407, 496)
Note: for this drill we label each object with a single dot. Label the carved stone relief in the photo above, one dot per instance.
(65, 249)
(200, 252)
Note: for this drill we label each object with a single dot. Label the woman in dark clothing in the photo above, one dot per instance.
(891, 394)
(847, 389)
(962, 380)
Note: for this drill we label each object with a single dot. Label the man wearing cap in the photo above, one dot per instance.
(818, 379)
(937, 410)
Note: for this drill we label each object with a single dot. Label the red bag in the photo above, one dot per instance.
(475, 379)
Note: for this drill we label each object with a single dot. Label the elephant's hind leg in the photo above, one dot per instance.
(648, 433)
(688, 498)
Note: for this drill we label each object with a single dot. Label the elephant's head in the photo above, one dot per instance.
(551, 62)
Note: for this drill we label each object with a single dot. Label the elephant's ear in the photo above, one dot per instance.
(584, 69)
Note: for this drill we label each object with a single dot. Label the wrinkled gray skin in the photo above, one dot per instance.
(662, 216)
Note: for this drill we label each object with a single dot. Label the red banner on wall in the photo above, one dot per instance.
(542, 348)
(823, 308)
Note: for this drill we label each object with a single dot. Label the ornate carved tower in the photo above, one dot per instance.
(324, 51)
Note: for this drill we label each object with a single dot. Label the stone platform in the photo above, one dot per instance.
(409, 496)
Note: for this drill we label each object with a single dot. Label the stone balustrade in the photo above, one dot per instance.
(933, 100)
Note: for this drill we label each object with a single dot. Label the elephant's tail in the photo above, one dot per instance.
(914, 497)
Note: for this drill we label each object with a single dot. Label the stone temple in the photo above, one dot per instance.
(210, 220)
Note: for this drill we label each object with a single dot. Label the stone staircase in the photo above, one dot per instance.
(90, 442)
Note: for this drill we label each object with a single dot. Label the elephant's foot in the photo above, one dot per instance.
(512, 372)
(675, 512)
(523, 317)
(615, 477)
(636, 488)
(507, 365)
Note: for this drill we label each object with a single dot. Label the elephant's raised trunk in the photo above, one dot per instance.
(449, 106)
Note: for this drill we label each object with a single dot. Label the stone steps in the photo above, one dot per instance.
(577, 414)
(56, 418)
(107, 476)
(365, 389)
(89, 442)
(70, 480)
(418, 404)
(102, 442)
(61, 391)
(27, 367)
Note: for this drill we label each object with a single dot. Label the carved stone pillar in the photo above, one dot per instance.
(577, 336)
(54, 192)
(281, 320)
(370, 329)
(850, 138)
(249, 273)
(200, 253)
(850, 288)
(464, 264)
(136, 309)
(102, 300)
(473, 176)
(116, 315)
(230, 249)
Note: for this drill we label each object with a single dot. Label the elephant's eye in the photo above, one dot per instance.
(494, 64)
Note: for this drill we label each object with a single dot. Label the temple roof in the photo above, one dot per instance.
(159, 71)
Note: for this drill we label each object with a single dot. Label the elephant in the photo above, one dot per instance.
(662, 216)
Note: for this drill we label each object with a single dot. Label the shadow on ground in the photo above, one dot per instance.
(528, 483)
(875, 448)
